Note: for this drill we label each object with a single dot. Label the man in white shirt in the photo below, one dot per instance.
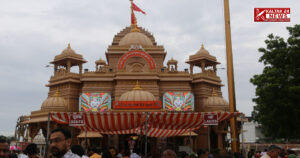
(60, 142)
(22, 155)
(273, 152)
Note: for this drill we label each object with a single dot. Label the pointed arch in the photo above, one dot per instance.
(136, 53)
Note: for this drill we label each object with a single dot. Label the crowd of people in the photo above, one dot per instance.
(60, 147)
(273, 151)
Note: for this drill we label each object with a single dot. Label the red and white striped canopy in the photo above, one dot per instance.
(159, 124)
(105, 122)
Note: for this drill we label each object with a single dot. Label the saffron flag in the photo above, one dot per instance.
(136, 8)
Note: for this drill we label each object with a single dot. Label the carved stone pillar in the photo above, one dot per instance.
(215, 68)
(80, 69)
(191, 68)
(55, 68)
(33, 130)
(202, 66)
(68, 66)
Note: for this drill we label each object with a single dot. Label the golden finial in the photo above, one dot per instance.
(214, 94)
(202, 46)
(69, 45)
(137, 86)
(134, 28)
(56, 94)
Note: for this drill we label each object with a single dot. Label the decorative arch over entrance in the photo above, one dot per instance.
(136, 53)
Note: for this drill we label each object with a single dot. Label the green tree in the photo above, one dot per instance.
(9, 138)
(278, 87)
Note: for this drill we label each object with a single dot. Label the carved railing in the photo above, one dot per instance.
(209, 73)
(61, 74)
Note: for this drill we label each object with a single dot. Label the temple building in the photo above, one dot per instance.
(133, 73)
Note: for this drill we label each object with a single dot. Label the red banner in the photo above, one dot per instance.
(137, 105)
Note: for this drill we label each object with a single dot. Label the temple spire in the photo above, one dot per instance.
(214, 94)
(137, 86)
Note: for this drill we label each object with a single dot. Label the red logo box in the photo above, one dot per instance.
(272, 14)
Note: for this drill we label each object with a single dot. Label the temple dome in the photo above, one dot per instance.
(172, 61)
(202, 54)
(202, 51)
(216, 103)
(137, 94)
(68, 50)
(68, 53)
(135, 38)
(54, 103)
(100, 61)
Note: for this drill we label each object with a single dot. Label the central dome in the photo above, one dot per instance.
(135, 38)
(137, 94)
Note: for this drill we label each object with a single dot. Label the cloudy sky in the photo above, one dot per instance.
(32, 32)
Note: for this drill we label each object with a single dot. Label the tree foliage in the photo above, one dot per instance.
(278, 87)
(9, 138)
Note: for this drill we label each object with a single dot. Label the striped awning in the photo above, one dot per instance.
(165, 124)
(105, 122)
(159, 124)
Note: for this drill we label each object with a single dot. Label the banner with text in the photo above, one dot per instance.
(137, 105)
(210, 119)
(76, 120)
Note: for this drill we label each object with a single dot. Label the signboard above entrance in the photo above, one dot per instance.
(76, 120)
(178, 101)
(137, 105)
(94, 102)
(210, 119)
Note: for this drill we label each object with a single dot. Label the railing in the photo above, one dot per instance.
(206, 73)
(64, 74)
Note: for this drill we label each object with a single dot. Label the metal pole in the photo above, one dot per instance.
(85, 140)
(47, 138)
(141, 142)
(190, 139)
(72, 128)
(242, 132)
(146, 135)
(208, 139)
(230, 75)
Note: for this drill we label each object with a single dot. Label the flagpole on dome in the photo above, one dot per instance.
(134, 27)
